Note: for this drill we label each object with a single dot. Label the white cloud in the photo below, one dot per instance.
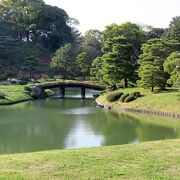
(99, 13)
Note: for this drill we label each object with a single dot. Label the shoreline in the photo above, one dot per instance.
(15, 102)
(142, 111)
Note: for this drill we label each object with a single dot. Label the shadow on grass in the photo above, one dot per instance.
(165, 91)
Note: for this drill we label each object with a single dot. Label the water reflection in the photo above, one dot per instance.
(72, 123)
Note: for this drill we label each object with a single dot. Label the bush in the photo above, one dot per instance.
(22, 82)
(136, 95)
(114, 96)
(129, 98)
(2, 96)
(28, 88)
(49, 93)
(123, 97)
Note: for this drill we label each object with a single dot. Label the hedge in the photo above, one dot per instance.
(114, 96)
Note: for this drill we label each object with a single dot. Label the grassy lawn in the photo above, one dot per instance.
(150, 160)
(16, 93)
(13, 94)
(167, 101)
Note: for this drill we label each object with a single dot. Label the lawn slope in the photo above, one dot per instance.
(13, 94)
(167, 101)
(150, 160)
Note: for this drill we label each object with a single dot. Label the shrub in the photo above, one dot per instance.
(49, 93)
(22, 82)
(136, 95)
(27, 88)
(123, 97)
(114, 96)
(129, 98)
(2, 96)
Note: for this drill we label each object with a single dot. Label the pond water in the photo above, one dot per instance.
(72, 123)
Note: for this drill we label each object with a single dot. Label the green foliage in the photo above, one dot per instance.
(13, 94)
(123, 97)
(172, 32)
(53, 29)
(31, 67)
(96, 69)
(129, 98)
(83, 64)
(34, 20)
(172, 66)
(21, 15)
(151, 70)
(92, 44)
(153, 33)
(113, 96)
(132, 97)
(137, 94)
(120, 52)
(13, 54)
(132, 32)
(49, 93)
(64, 61)
(119, 61)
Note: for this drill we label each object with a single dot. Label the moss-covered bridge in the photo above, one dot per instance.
(62, 85)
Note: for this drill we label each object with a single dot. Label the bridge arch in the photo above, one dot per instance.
(62, 85)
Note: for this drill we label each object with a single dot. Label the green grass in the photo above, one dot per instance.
(16, 93)
(150, 160)
(13, 94)
(166, 101)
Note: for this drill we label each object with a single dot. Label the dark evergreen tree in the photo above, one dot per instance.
(151, 62)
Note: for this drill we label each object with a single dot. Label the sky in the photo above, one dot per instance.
(96, 14)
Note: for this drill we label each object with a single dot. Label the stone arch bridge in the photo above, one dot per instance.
(62, 85)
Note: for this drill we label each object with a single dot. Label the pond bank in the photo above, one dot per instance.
(163, 104)
(143, 111)
(14, 94)
(150, 160)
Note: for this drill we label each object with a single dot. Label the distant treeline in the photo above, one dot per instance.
(39, 40)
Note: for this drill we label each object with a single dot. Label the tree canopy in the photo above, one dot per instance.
(64, 61)
(151, 70)
(172, 66)
(173, 31)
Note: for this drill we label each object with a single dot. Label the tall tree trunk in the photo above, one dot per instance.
(64, 74)
(152, 88)
(21, 36)
(125, 83)
(27, 36)
(163, 87)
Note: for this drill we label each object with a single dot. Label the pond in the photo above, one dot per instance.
(72, 123)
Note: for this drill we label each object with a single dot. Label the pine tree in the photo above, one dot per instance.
(119, 61)
(151, 62)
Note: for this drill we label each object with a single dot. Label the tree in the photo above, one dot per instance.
(132, 32)
(172, 66)
(96, 69)
(34, 21)
(92, 44)
(173, 32)
(83, 64)
(151, 62)
(64, 61)
(119, 61)
(21, 15)
(153, 33)
(31, 67)
(53, 30)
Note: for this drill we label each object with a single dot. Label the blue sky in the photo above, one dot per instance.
(96, 14)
